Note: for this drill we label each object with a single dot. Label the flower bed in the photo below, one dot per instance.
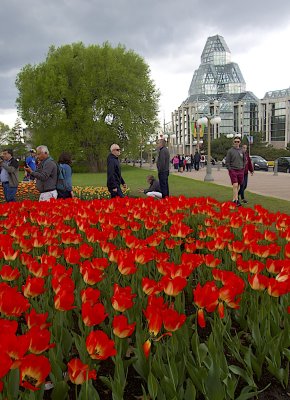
(189, 295)
(27, 191)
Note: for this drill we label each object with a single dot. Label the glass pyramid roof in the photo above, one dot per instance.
(216, 74)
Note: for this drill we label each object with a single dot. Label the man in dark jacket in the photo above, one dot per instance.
(196, 160)
(45, 174)
(9, 175)
(114, 177)
(163, 167)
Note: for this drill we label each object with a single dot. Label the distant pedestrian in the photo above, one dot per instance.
(196, 160)
(30, 162)
(64, 185)
(202, 160)
(235, 163)
(114, 177)
(175, 162)
(45, 174)
(9, 175)
(163, 167)
(248, 167)
(154, 188)
(188, 163)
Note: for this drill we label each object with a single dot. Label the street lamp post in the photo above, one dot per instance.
(209, 120)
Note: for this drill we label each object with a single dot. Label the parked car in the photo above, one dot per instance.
(283, 164)
(259, 163)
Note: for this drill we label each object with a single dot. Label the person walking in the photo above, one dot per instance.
(45, 174)
(114, 177)
(163, 167)
(235, 163)
(9, 175)
(64, 185)
(248, 167)
(196, 160)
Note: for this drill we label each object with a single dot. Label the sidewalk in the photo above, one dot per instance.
(264, 183)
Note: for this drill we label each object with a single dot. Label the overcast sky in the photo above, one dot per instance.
(168, 34)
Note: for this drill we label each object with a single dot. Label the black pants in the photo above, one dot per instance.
(118, 193)
(196, 166)
(243, 187)
(64, 194)
(163, 182)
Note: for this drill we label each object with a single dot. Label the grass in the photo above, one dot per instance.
(135, 178)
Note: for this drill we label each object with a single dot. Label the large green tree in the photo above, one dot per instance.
(82, 99)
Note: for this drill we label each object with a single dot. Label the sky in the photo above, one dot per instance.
(170, 35)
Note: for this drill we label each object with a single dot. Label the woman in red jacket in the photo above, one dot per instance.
(248, 167)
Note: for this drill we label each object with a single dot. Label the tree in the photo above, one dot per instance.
(4, 131)
(82, 99)
(15, 139)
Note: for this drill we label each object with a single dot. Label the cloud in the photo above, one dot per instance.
(170, 35)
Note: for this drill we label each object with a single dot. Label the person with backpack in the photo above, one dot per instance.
(64, 181)
(45, 174)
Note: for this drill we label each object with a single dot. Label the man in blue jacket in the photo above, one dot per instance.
(114, 177)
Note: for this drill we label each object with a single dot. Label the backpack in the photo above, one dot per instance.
(61, 181)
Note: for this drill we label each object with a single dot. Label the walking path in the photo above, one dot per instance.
(264, 183)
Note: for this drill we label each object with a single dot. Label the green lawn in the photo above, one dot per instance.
(135, 177)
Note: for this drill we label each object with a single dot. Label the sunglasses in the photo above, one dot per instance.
(117, 149)
(237, 141)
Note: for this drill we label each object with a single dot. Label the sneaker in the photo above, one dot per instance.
(245, 201)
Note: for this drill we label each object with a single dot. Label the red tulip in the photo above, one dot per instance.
(121, 328)
(174, 286)
(34, 319)
(9, 274)
(122, 298)
(39, 340)
(86, 250)
(79, 373)
(33, 287)
(172, 320)
(33, 371)
(99, 346)
(64, 300)
(93, 314)
(147, 348)
(90, 294)
(12, 303)
(258, 281)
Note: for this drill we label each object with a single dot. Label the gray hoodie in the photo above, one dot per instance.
(235, 159)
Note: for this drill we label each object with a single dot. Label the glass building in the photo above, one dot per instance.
(217, 87)
(275, 117)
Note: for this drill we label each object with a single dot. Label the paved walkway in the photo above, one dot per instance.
(264, 183)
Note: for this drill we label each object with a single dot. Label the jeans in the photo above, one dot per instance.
(163, 182)
(9, 192)
(118, 193)
(243, 187)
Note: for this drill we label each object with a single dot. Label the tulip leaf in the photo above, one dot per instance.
(152, 385)
(66, 341)
(106, 381)
(13, 384)
(213, 386)
(60, 390)
(88, 392)
(190, 392)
